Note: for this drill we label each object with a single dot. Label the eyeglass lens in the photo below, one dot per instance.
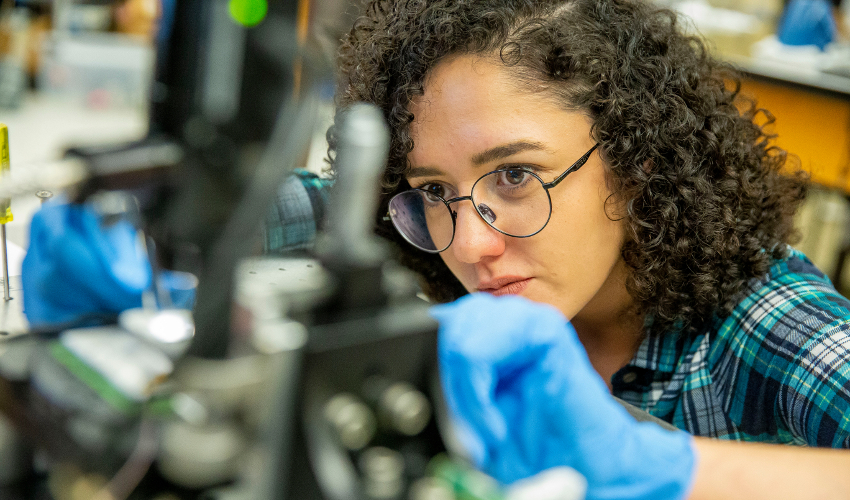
(511, 201)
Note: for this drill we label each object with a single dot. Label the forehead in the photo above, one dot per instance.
(472, 103)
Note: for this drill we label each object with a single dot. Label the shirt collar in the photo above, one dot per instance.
(659, 352)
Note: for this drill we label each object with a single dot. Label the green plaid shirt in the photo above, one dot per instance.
(297, 214)
(776, 370)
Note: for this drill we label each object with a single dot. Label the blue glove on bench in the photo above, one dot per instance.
(76, 268)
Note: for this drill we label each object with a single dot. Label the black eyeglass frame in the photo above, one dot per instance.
(546, 185)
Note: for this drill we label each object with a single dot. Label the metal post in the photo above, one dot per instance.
(6, 296)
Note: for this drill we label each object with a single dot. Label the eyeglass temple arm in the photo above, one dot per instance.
(575, 166)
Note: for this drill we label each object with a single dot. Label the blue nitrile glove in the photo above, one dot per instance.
(76, 268)
(807, 22)
(525, 398)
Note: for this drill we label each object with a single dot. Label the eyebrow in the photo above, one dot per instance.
(495, 153)
(506, 150)
(423, 172)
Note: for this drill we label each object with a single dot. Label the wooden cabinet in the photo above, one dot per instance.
(810, 123)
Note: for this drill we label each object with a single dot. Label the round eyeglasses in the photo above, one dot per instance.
(514, 201)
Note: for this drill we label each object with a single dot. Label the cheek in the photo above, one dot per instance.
(581, 244)
(584, 224)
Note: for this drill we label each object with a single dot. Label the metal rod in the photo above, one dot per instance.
(158, 288)
(6, 296)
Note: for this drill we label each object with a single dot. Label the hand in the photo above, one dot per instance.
(526, 398)
(76, 268)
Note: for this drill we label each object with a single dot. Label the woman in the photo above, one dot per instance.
(664, 244)
(588, 156)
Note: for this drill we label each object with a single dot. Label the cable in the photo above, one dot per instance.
(134, 469)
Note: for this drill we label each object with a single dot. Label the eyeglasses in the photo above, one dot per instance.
(514, 201)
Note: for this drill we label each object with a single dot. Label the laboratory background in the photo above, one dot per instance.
(76, 73)
(77, 86)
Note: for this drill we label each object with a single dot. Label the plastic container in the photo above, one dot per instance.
(100, 70)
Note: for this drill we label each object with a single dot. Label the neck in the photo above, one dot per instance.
(608, 326)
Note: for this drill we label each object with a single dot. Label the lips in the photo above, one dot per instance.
(508, 285)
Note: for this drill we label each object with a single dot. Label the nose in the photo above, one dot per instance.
(474, 239)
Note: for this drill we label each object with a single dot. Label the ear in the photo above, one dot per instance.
(614, 208)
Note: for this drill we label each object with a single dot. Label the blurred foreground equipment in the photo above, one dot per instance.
(309, 377)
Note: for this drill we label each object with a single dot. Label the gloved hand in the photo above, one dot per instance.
(525, 398)
(76, 268)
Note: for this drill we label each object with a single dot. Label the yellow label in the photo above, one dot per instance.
(5, 204)
(4, 147)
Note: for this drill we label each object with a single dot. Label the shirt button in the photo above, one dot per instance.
(629, 377)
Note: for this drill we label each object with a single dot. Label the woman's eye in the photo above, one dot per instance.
(514, 177)
(433, 192)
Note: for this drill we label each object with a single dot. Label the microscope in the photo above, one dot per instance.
(307, 376)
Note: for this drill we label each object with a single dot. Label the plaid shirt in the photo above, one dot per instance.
(297, 213)
(775, 370)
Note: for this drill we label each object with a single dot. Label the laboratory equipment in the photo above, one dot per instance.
(270, 400)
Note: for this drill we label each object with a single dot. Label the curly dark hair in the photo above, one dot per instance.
(707, 205)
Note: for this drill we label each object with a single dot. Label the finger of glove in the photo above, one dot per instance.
(468, 388)
(523, 400)
(483, 353)
(514, 336)
(497, 330)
